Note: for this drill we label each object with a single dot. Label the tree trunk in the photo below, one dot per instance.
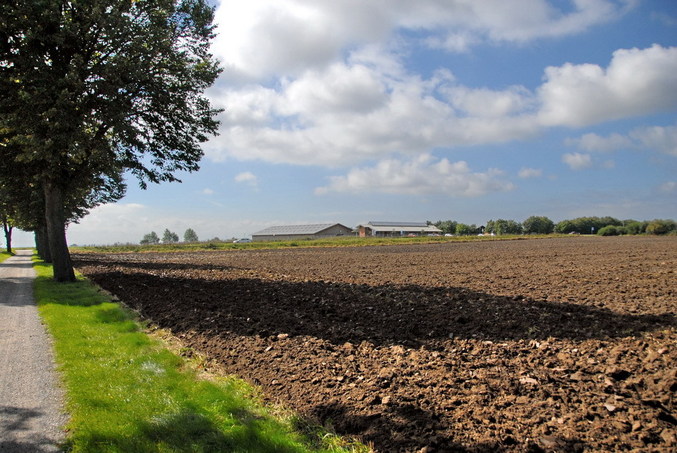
(8, 235)
(56, 233)
(42, 244)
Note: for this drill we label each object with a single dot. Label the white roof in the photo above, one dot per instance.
(296, 229)
(419, 227)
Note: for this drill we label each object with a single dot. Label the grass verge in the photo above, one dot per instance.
(127, 393)
(5, 255)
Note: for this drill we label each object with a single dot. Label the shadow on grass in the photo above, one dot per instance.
(186, 430)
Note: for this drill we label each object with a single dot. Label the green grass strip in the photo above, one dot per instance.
(4, 256)
(127, 393)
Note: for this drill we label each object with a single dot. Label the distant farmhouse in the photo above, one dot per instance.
(382, 229)
(292, 232)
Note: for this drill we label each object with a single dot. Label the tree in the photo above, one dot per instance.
(150, 238)
(659, 226)
(586, 225)
(465, 230)
(190, 236)
(635, 227)
(97, 87)
(502, 226)
(447, 226)
(169, 237)
(538, 225)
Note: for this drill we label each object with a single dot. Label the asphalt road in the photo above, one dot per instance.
(31, 400)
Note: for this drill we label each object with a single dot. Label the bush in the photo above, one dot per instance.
(635, 227)
(610, 230)
(659, 226)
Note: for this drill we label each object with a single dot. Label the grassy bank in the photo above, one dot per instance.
(331, 242)
(4, 256)
(127, 393)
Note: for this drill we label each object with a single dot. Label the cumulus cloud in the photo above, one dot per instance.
(367, 108)
(370, 107)
(259, 38)
(636, 82)
(423, 175)
(247, 177)
(577, 161)
(528, 173)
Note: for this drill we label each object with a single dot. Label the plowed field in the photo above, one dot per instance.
(566, 344)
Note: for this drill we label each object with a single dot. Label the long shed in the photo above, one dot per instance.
(292, 232)
(379, 228)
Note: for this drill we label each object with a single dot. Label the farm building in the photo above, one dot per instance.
(397, 229)
(291, 232)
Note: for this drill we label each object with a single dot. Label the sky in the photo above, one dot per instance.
(346, 111)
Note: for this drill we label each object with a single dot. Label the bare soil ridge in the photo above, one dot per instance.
(560, 344)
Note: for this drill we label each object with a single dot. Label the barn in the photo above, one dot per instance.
(292, 232)
(388, 229)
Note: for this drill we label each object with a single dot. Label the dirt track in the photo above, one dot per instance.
(557, 344)
(31, 399)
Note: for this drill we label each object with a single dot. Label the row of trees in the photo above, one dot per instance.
(543, 225)
(169, 237)
(93, 91)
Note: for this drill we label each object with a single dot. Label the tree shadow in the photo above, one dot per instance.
(409, 315)
(17, 434)
(407, 427)
(187, 430)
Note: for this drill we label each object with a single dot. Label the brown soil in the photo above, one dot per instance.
(565, 344)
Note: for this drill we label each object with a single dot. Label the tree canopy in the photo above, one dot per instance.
(94, 89)
(190, 236)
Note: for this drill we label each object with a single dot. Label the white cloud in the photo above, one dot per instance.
(577, 161)
(668, 187)
(527, 173)
(636, 82)
(653, 138)
(483, 102)
(129, 222)
(662, 139)
(208, 191)
(247, 177)
(370, 107)
(260, 38)
(594, 142)
(423, 175)
(520, 21)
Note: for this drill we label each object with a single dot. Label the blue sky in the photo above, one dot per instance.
(349, 111)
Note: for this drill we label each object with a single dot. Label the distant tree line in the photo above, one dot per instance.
(169, 237)
(604, 226)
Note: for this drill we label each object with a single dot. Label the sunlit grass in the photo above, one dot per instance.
(127, 393)
(4, 256)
